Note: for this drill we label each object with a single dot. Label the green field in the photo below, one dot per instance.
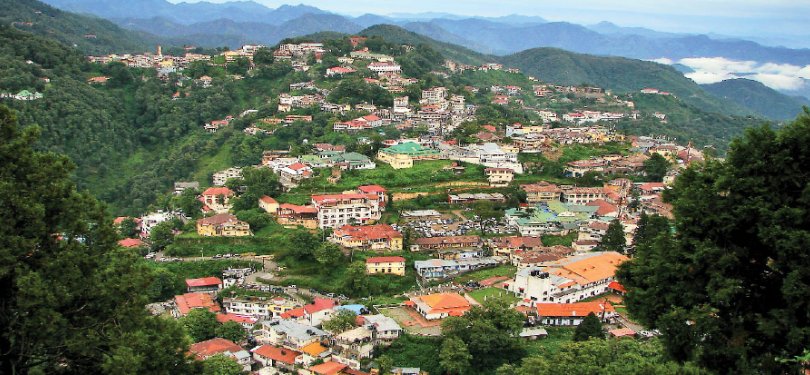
(481, 295)
(504, 270)
(557, 336)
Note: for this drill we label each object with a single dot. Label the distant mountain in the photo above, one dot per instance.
(187, 13)
(758, 97)
(397, 34)
(605, 27)
(368, 20)
(618, 74)
(89, 34)
(430, 28)
(234, 34)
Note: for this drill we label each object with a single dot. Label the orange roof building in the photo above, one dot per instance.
(374, 237)
(269, 355)
(569, 279)
(204, 284)
(189, 301)
(441, 305)
(328, 368)
(572, 314)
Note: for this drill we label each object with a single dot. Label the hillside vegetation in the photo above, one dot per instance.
(762, 99)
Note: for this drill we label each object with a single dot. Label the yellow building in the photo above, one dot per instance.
(404, 154)
(386, 265)
(269, 205)
(222, 225)
(372, 237)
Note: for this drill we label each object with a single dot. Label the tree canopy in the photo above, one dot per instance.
(732, 289)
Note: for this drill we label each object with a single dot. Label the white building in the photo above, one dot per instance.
(337, 210)
(221, 177)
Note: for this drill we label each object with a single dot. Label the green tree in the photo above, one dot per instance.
(201, 324)
(590, 327)
(328, 254)
(66, 289)
(649, 228)
(303, 245)
(231, 331)
(188, 203)
(731, 290)
(342, 321)
(490, 333)
(485, 213)
(221, 365)
(357, 280)
(263, 56)
(162, 235)
(656, 167)
(614, 240)
(385, 363)
(128, 228)
(454, 357)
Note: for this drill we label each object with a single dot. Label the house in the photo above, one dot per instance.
(101, 80)
(540, 257)
(549, 218)
(217, 199)
(337, 210)
(507, 245)
(292, 175)
(278, 357)
(385, 328)
(223, 225)
(295, 215)
(499, 177)
(246, 322)
(289, 333)
(269, 205)
(467, 198)
(153, 219)
(572, 314)
(372, 237)
(404, 154)
(221, 177)
(440, 305)
(385, 67)
(326, 368)
(204, 285)
(314, 313)
(622, 332)
(209, 348)
(569, 279)
(386, 265)
(541, 192)
(258, 307)
(180, 186)
(352, 346)
(443, 243)
(445, 268)
(338, 71)
(582, 195)
(190, 301)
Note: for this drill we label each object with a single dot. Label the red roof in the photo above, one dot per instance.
(205, 349)
(130, 242)
(298, 209)
(222, 318)
(267, 199)
(369, 189)
(320, 304)
(218, 191)
(282, 355)
(615, 285)
(204, 281)
(371, 118)
(328, 368)
(338, 197)
(385, 260)
(297, 166)
(294, 313)
(190, 301)
(368, 232)
(578, 309)
(605, 208)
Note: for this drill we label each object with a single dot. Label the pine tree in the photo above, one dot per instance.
(71, 299)
(613, 240)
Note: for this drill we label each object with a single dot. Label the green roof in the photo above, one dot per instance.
(409, 148)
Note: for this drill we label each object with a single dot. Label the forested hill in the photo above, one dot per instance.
(760, 98)
(89, 34)
(396, 34)
(618, 74)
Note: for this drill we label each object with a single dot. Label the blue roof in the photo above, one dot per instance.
(357, 309)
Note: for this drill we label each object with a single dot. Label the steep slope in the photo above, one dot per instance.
(758, 97)
(440, 34)
(616, 73)
(400, 35)
(89, 34)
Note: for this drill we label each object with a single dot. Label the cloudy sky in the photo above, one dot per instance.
(775, 21)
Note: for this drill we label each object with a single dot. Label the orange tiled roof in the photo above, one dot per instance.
(385, 260)
(314, 349)
(445, 302)
(218, 191)
(205, 349)
(189, 301)
(368, 232)
(578, 309)
(203, 281)
(277, 354)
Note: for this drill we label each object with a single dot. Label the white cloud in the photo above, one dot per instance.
(663, 60)
(776, 76)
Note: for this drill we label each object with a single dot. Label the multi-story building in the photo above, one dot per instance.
(541, 192)
(258, 307)
(386, 266)
(499, 177)
(434, 95)
(217, 199)
(373, 237)
(337, 210)
(222, 225)
(569, 279)
(582, 195)
(221, 177)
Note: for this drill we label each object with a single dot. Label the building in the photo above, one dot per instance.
(180, 186)
(280, 358)
(292, 175)
(209, 348)
(269, 205)
(337, 210)
(314, 313)
(499, 177)
(217, 199)
(289, 333)
(569, 279)
(223, 225)
(204, 285)
(582, 195)
(292, 215)
(385, 67)
(507, 245)
(221, 177)
(385, 328)
(541, 192)
(467, 198)
(444, 243)
(444, 268)
(386, 266)
(190, 301)
(404, 154)
(372, 237)
(440, 305)
(352, 346)
(572, 314)
(549, 218)
(258, 307)
(246, 322)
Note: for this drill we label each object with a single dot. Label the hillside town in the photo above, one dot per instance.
(498, 225)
